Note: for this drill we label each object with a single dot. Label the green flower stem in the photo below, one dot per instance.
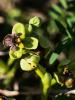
(10, 74)
(40, 71)
(45, 79)
(10, 62)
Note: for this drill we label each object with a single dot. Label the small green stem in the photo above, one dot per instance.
(10, 74)
(45, 79)
(40, 71)
(10, 62)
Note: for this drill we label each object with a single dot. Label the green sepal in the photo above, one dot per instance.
(29, 63)
(19, 29)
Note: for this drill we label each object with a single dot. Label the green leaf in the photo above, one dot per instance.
(19, 29)
(53, 58)
(64, 3)
(31, 43)
(54, 15)
(69, 34)
(58, 9)
(59, 18)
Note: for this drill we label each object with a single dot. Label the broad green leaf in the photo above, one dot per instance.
(53, 58)
(31, 43)
(19, 29)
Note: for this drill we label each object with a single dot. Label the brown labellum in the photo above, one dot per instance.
(8, 40)
(12, 41)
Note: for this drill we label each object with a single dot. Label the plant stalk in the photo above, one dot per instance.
(45, 80)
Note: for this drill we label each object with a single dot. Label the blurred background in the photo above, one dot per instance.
(57, 22)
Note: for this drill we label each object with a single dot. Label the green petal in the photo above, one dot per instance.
(31, 43)
(16, 54)
(35, 21)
